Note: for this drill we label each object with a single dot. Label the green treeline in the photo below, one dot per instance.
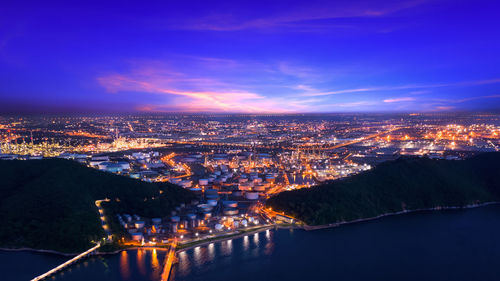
(50, 203)
(403, 184)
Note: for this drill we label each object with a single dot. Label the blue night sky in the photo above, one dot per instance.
(254, 56)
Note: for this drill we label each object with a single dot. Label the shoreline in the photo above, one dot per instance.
(332, 225)
(44, 251)
(225, 238)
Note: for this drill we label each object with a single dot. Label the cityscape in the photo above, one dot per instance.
(250, 140)
(233, 163)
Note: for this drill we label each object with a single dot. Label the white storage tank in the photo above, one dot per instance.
(259, 187)
(205, 207)
(230, 211)
(257, 180)
(136, 236)
(186, 183)
(207, 215)
(252, 195)
(212, 202)
(230, 204)
(139, 224)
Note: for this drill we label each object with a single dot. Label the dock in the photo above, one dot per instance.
(169, 261)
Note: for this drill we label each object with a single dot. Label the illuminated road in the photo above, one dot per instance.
(168, 159)
(354, 141)
(69, 262)
(103, 218)
(492, 144)
(279, 146)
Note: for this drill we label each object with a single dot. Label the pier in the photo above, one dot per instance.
(67, 263)
(169, 261)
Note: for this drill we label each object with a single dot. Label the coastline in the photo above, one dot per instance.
(38, 251)
(239, 235)
(225, 238)
(331, 225)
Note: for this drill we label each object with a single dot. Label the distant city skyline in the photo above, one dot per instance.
(254, 57)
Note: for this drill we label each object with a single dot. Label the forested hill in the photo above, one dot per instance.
(403, 184)
(50, 204)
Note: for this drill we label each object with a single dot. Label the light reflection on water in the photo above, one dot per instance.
(245, 243)
(226, 247)
(211, 251)
(124, 265)
(218, 254)
(256, 239)
(131, 265)
(156, 266)
(141, 262)
(149, 264)
(348, 253)
(268, 250)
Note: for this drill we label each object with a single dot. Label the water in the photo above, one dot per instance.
(447, 245)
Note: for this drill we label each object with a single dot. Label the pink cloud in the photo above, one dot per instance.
(196, 94)
(444, 108)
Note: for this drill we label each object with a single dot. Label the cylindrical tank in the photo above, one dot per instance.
(212, 196)
(183, 224)
(212, 202)
(252, 195)
(211, 191)
(259, 187)
(205, 207)
(230, 211)
(136, 236)
(230, 204)
(139, 224)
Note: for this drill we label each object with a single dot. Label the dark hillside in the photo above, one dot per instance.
(403, 184)
(49, 204)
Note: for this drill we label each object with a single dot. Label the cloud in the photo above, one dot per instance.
(301, 17)
(194, 94)
(403, 99)
(444, 108)
(403, 87)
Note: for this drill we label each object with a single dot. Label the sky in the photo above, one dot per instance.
(250, 56)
